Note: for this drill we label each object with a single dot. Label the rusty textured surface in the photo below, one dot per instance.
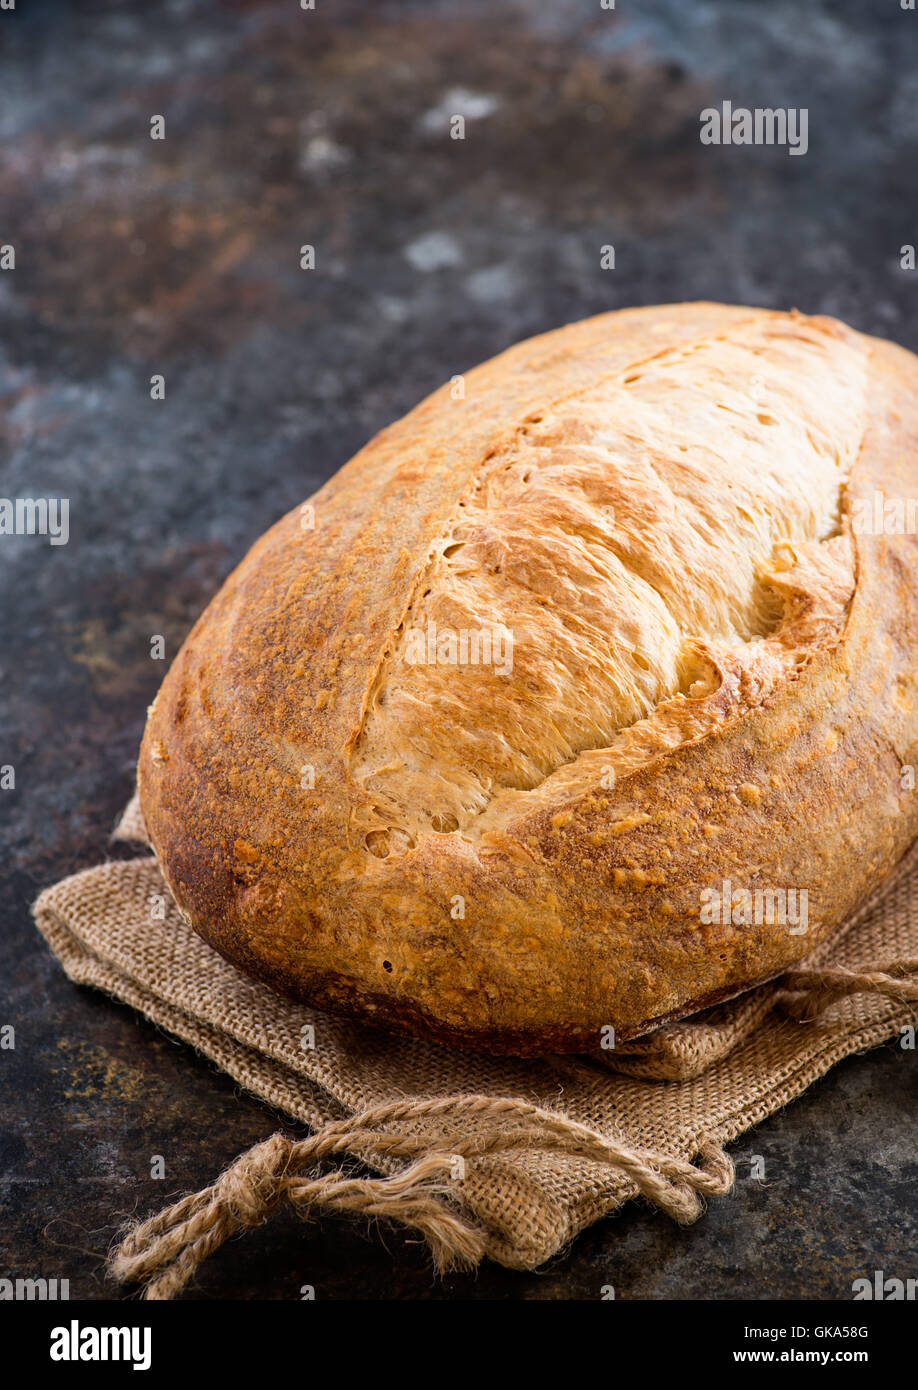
(135, 257)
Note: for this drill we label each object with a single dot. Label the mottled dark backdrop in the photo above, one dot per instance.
(181, 257)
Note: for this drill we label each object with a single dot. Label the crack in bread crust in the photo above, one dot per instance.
(627, 539)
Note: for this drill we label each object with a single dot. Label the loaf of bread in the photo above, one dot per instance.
(582, 698)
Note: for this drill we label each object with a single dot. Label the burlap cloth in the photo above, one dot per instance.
(495, 1157)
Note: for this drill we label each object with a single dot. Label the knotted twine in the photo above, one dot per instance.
(167, 1249)
(467, 1162)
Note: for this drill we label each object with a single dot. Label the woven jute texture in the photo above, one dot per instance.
(496, 1157)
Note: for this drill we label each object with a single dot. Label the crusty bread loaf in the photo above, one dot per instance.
(472, 746)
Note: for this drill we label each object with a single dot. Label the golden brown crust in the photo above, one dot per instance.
(516, 900)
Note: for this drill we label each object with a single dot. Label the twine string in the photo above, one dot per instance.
(806, 994)
(165, 1250)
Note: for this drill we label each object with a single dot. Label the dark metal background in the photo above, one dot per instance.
(136, 257)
